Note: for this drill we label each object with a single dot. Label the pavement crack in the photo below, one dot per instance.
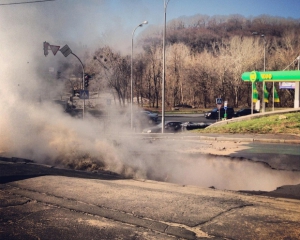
(112, 214)
(9, 201)
(224, 212)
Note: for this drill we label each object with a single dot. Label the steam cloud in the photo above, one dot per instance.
(33, 127)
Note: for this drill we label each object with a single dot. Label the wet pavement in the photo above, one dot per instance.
(45, 202)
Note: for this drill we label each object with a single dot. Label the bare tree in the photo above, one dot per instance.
(205, 59)
(153, 74)
(236, 56)
(177, 56)
(117, 72)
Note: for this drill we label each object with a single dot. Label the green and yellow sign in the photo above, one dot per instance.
(279, 76)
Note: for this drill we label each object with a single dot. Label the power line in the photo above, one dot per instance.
(291, 64)
(3, 4)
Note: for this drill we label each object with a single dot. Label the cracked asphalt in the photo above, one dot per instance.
(42, 202)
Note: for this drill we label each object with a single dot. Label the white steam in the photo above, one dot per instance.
(33, 127)
(31, 124)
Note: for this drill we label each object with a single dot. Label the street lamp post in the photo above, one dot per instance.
(131, 75)
(164, 68)
(263, 90)
(263, 100)
(297, 88)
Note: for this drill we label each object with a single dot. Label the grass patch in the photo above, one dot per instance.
(282, 123)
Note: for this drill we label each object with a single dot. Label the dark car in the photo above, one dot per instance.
(183, 106)
(143, 119)
(170, 127)
(192, 125)
(244, 112)
(151, 116)
(214, 114)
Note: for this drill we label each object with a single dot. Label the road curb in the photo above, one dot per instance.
(266, 140)
(278, 141)
(226, 139)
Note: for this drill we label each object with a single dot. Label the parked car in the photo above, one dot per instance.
(170, 127)
(183, 106)
(244, 112)
(192, 125)
(214, 113)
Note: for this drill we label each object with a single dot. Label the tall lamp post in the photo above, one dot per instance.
(164, 68)
(131, 75)
(263, 100)
(297, 88)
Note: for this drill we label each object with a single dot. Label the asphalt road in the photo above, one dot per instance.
(39, 202)
(197, 118)
(193, 200)
(278, 156)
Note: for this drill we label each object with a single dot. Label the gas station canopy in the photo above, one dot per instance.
(276, 76)
(271, 76)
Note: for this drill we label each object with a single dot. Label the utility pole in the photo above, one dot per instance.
(164, 68)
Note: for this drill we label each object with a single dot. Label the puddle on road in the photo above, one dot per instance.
(229, 173)
(188, 165)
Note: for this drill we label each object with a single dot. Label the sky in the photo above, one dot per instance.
(289, 8)
(92, 22)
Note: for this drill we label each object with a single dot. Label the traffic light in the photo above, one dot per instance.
(46, 48)
(86, 80)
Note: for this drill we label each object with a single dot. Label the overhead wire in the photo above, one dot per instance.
(291, 63)
(15, 3)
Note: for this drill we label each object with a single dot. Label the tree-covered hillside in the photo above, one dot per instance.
(205, 57)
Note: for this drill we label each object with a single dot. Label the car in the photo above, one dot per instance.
(244, 112)
(192, 125)
(214, 113)
(143, 119)
(183, 106)
(170, 127)
(152, 117)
